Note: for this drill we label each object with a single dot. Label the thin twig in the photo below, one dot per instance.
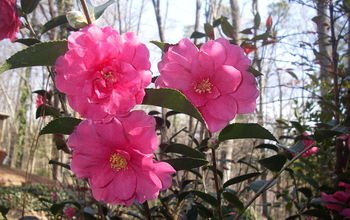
(218, 193)
(86, 11)
(146, 210)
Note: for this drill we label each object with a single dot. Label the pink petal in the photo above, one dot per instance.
(216, 51)
(163, 171)
(227, 79)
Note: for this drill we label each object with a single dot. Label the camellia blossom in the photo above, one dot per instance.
(69, 212)
(103, 73)
(214, 78)
(116, 157)
(9, 20)
(307, 143)
(339, 201)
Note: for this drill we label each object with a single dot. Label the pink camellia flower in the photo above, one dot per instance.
(9, 20)
(103, 73)
(116, 157)
(214, 78)
(307, 143)
(339, 201)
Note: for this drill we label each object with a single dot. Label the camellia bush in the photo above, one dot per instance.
(115, 150)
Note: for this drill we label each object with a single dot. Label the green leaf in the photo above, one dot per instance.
(247, 31)
(306, 191)
(296, 148)
(255, 72)
(29, 5)
(267, 146)
(172, 99)
(159, 44)
(28, 41)
(197, 34)
(186, 163)
(320, 213)
(41, 54)
(227, 27)
(257, 20)
(257, 185)
(54, 22)
(47, 110)
(217, 22)
(233, 200)
(205, 197)
(57, 208)
(63, 125)
(274, 163)
(298, 126)
(4, 210)
(246, 130)
(346, 4)
(323, 134)
(239, 179)
(263, 36)
(101, 8)
(184, 150)
(209, 30)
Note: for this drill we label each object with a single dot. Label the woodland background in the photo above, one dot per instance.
(294, 61)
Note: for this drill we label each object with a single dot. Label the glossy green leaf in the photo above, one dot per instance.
(172, 99)
(306, 191)
(98, 11)
(205, 197)
(28, 6)
(267, 146)
(209, 30)
(41, 54)
(54, 22)
(241, 178)
(233, 200)
(319, 213)
(46, 110)
(28, 41)
(274, 163)
(227, 27)
(259, 184)
(184, 150)
(323, 134)
(245, 130)
(186, 163)
(63, 125)
(197, 34)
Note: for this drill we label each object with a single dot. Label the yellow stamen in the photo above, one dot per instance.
(118, 162)
(203, 87)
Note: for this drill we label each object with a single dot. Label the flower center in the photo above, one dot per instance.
(203, 86)
(109, 77)
(118, 162)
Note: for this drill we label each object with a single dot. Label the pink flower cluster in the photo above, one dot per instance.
(104, 75)
(9, 20)
(339, 201)
(214, 78)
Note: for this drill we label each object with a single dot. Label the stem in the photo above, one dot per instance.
(147, 213)
(266, 185)
(218, 193)
(86, 11)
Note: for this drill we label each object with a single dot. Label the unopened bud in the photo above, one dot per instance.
(76, 19)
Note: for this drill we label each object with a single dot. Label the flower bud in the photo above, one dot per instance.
(76, 19)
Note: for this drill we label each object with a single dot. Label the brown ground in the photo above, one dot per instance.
(16, 177)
